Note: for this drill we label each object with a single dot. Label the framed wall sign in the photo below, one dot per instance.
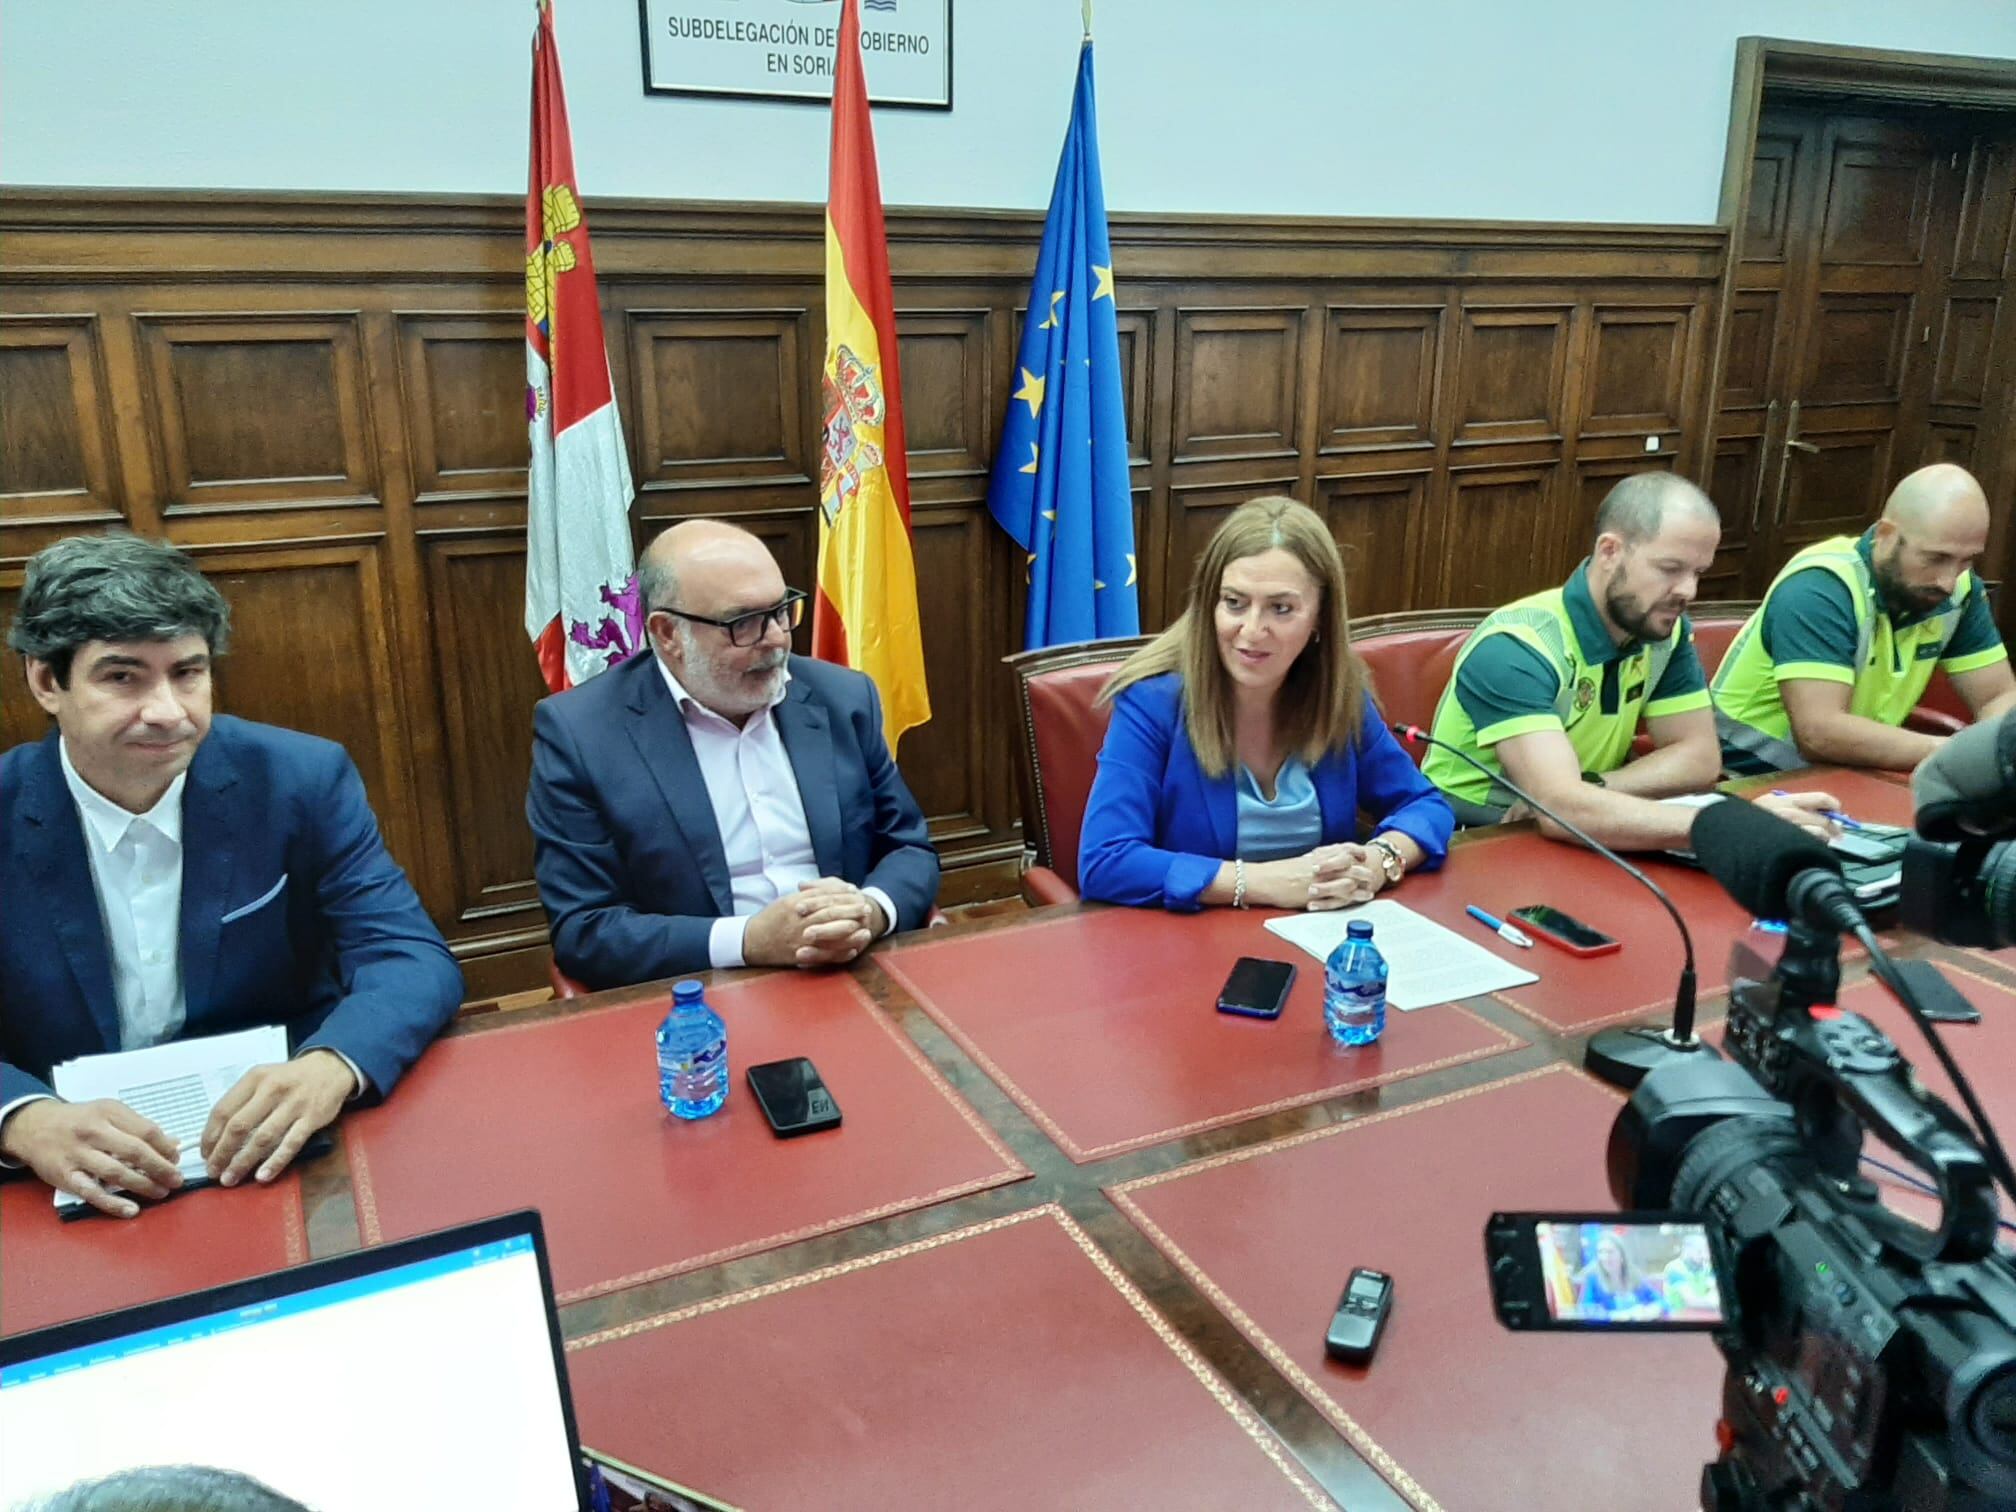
(783, 49)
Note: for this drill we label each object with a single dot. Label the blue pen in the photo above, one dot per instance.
(1504, 931)
(1835, 814)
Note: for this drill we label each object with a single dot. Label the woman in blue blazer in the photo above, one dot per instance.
(1244, 745)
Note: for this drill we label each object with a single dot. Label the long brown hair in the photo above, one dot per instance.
(1318, 706)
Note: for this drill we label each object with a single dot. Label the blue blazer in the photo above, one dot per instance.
(292, 913)
(629, 859)
(1157, 829)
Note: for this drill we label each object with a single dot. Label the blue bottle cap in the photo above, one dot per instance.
(688, 991)
(1359, 929)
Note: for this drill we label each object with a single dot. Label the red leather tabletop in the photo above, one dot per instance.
(563, 1115)
(1453, 1409)
(1103, 1025)
(1007, 1365)
(1506, 871)
(52, 1271)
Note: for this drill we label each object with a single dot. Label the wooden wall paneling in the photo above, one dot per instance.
(259, 411)
(462, 379)
(1238, 382)
(489, 682)
(948, 394)
(1503, 539)
(1637, 372)
(1856, 353)
(1381, 366)
(55, 422)
(719, 402)
(1136, 331)
(1511, 369)
(1960, 363)
(1372, 516)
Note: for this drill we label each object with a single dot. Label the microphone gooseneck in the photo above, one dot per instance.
(1681, 1036)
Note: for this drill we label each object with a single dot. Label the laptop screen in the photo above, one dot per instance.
(425, 1373)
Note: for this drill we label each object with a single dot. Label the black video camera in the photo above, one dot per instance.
(1872, 1362)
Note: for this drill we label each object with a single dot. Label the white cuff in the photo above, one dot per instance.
(888, 907)
(724, 941)
(7, 1112)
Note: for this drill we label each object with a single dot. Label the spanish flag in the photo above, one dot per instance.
(865, 612)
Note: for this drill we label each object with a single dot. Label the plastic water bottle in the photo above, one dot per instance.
(1354, 988)
(692, 1055)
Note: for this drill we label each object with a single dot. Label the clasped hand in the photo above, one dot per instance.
(1328, 877)
(827, 922)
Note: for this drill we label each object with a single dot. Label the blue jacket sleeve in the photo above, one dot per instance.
(1119, 859)
(905, 864)
(399, 983)
(598, 937)
(1392, 791)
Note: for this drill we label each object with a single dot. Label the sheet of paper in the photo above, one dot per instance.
(1426, 964)
(176, 1084)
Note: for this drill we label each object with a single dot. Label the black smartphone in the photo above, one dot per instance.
(1640, 1270)
(1361, 1315)
(1256, 988)
(1565, 930)
(793, 1097)
(1867, 849)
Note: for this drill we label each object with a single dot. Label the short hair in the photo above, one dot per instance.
(169, 1488)
(657, 581)
(1322, 699)
(113, 587)
(1635, 508)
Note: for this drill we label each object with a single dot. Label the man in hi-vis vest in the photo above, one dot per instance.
(1851, 631)
(1550, 689)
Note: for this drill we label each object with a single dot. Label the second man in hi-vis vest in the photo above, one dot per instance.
(1550, 689)
(1848, 637)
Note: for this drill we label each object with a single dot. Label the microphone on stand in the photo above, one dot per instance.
(1622, 1056)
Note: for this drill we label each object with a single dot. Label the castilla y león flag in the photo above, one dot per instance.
(865, 612)
(581, 606)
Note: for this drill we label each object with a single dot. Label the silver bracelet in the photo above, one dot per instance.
(1238, 883)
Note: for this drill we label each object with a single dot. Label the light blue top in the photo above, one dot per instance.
(1288, 824)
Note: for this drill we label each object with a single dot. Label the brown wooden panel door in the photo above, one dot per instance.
(1827, 367)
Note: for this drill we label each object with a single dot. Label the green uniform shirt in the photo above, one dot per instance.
(1823, 620)
(1546, 662)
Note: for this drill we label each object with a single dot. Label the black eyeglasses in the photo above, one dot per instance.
(747, 629)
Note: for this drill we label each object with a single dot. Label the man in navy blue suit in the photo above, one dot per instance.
(168, 876)
(720, 802)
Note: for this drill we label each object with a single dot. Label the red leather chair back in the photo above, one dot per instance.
(1411, 657)
(1062, 729)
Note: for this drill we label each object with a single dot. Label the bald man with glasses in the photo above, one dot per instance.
(720, 802)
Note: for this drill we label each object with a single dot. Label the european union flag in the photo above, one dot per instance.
(1060, 484)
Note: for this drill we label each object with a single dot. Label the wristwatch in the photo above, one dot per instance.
(1389, 859)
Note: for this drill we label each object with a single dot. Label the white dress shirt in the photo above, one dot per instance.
(758, 810)
(136, 870)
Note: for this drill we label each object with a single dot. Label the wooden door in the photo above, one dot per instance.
(1847, 245)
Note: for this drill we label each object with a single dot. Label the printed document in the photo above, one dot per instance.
(1425, 963)
(176, 1085)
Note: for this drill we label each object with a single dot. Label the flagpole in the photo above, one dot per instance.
(1086, 7)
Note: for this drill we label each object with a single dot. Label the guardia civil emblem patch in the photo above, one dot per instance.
(1585, 694)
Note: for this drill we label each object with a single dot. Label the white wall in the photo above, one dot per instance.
(1611, 110)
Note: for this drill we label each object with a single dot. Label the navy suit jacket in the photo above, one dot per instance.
(630, 862)
(292, 913)
(1157, 829)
